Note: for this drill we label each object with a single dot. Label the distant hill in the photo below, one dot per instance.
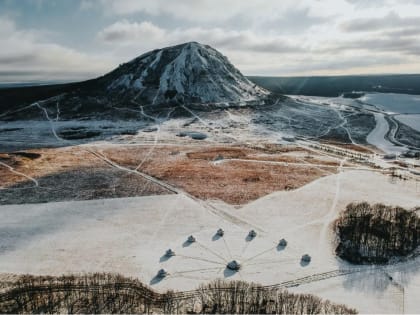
(189, 73)
(186, 73)
(337, 85)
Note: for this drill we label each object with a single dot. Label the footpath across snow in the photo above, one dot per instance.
(131, 235)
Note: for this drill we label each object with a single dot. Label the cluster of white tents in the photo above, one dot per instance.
(234, 264)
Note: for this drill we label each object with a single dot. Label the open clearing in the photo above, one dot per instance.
(56, 238)
(234, 174)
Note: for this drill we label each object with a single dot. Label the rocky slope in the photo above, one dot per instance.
(191, 72)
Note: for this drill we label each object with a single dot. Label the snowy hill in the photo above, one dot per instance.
(189, 72)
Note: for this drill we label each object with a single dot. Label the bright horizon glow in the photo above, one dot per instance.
(47, 40)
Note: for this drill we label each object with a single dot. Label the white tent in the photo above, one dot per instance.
(234, 265)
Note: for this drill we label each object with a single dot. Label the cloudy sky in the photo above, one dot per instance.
(71, 40)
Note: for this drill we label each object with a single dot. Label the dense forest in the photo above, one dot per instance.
(337, 85)
(376, 233)
(109, 293)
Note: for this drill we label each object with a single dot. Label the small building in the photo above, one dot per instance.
(162, 273)
(170, 253)
(234, 265)
(252, 234)
(282, 243)
(306, 258)
(191, 239)
(220, 232)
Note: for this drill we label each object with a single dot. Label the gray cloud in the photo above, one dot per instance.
(294, 20)
(368, 3)
(19, 59)
(130, 33)
(259, 36)
(26, 52)
(390, 21)
(384, 45)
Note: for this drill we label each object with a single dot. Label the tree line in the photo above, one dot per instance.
(376, 233)
(112, 293)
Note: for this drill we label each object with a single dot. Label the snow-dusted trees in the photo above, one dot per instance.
(375, 234)
(240, 297)
(109, 293)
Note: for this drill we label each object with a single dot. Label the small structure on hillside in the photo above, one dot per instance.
(191, 239)
(162, 273)
(170, 253)
(220, 232)
(234, 265)
(252, 234)
(283, 243)
(306, 258)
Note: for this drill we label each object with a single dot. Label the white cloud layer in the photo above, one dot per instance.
(261, 37)
(271, 37)
(29, 55)
(386, 51)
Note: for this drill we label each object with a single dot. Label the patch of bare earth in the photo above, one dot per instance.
(68, 174)
(235, 175)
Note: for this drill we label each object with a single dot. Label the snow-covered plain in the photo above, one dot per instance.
(131, 235)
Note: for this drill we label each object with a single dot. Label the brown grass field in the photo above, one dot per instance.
(234, 174)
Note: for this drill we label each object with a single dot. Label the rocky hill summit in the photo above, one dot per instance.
(186, 73)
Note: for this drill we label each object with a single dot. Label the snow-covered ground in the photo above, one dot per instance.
(189, 71)
(410, 120)
(15, 135)
(405, 107)
(131, 235)
(396, 103)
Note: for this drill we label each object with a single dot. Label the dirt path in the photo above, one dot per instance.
(50, 121)
(329, 217)
(159, 123)
(150, 178)
(303, 164)
(20, 174)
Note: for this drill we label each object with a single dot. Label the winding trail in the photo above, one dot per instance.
(159, 123)
(150, 178)
(20, 174)
(328, 218)
(50, 121)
